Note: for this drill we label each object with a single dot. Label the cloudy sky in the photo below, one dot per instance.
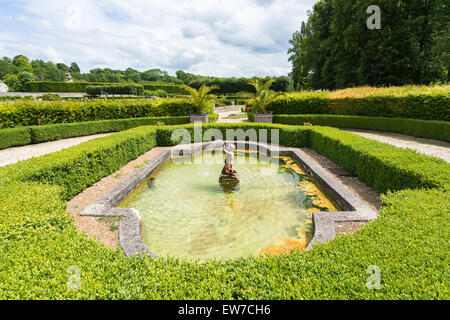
(208, 37)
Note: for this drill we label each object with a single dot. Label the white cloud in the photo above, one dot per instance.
(214, 37)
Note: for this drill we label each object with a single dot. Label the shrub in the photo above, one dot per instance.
(213, 117)
(439, 130)
(168, 88)
(426, 106)
(51, 86)
(130, 89)
(32, 113)
(50, 97)
(408, 241)
(12, 81)
(36, 134)
(157, 93)
(14, 137)
(236, 85)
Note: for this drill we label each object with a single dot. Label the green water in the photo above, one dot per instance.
(186, 214)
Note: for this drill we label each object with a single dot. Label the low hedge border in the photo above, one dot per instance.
(37, 134)
(408, 242)
(439, 130)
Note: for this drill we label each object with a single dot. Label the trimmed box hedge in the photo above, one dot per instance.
(33, 113)
(408, 242)
(131, 89)
(169, 88)
(79, 87)
(37, 134)
(439, 130)
(52, 86)
(426, 106)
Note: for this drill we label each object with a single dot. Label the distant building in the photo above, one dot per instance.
(69, 77)
(3, 87)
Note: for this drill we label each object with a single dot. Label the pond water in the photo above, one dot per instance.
(186, 214)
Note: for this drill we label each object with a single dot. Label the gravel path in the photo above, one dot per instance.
(435, 148)
(226, 113)
(12, 155)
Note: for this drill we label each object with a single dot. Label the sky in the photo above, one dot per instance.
(240, 38)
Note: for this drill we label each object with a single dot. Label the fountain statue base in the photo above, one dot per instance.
(229, 179)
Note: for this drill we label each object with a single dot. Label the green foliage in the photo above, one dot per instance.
(157, 93)
(263, 95)
(14, 137)
(50, 97)
(22, 63)
(335, 49)
(236, 85)
(425, 106)
(130, 89)
(169, 88)
(408, 241)
(37, 134)
(50, 86)
(13, 83)
(439, 130)
(202, 99)
(35, 113)
(24, 77)
(213, 117)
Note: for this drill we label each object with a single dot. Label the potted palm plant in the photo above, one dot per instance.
(203, 102)
(263, 98)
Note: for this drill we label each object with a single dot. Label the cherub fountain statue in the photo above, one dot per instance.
(229, 179)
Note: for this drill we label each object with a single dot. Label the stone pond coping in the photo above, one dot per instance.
(354, 210)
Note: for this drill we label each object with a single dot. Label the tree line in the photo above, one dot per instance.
(15, 72)
(335, 49)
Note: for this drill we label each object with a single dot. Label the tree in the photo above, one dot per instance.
(62, 67)
(4, 68)
(202, 99)
(132, 75)
(297, 56)
(12, 81)
(74, 67)
(23, 78)
(22, 63)
(182, 75)
(335, 48)
(441, 48)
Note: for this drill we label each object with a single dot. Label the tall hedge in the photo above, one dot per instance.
(169, 88)
(131, 89)
(433, 106)
(51, 86)
(34, 113)
(79, 87)
(235, 85)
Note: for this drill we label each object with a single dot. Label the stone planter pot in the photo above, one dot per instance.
(264, 117)
(199, 118)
